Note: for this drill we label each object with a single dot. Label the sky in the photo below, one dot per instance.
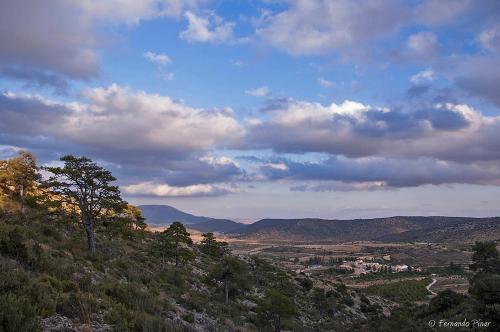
(254, 109)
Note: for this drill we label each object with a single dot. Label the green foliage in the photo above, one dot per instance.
(306, 283)
(12, 245)
(173, 244)
(17, 314)
(485, 284)
(445, 301)
(233, 273)
(401, 291)
(19, 178)
(124, 319)
(485, 258)
(86, 186)
(486, 288)
(132, 296)
(210, 246)
(274, 308)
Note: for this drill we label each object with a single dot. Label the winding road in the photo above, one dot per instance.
(428, 287)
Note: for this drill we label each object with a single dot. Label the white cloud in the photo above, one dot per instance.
(262, 91)
(139, 119)
(118, 119)
(165, 190)
(325, 83)
(159, 59)
(318, 27)
(277, 166)
(219, 161)
(422, 76)
(239, 63)
(210, 28)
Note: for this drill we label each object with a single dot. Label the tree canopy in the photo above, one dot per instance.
(485, 258)
(19, 177)
(274, 307)
(87, 186)
(210, 246)
(171, 243)
(233, 273)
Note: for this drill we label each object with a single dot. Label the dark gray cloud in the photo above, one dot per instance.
(29, 116)
(36, 78)
(479, 76)
(443, 119)
(369, 173)
(417, 90)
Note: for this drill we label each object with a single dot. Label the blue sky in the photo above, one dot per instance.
(252, 109)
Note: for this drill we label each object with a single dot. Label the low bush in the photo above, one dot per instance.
(17, 314)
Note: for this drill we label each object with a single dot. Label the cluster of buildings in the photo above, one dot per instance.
(354, 266)
(360, 267)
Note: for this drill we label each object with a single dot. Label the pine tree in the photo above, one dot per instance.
(210, 246)
(177, 235)
(85, 185)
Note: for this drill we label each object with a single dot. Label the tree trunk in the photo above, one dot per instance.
(89, 229)
(176, 254)
(277, 324)
(226, 291)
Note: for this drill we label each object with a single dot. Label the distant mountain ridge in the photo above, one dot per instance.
(162, 215)
(399, 228)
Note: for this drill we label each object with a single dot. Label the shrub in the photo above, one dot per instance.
(17, 314)
(306, 283)
(12, 245)
(44, 296)
(188, 317)
(132, 296)
(69, 305)
(194, 301)
(12, 279)
(148, 323)
(445, 300)
(120, 317)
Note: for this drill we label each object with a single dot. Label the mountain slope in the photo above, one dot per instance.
(157, 215)
(380, 229)
(165, 214)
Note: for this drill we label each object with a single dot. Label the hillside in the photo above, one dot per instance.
(51, 282)
(400, 228)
